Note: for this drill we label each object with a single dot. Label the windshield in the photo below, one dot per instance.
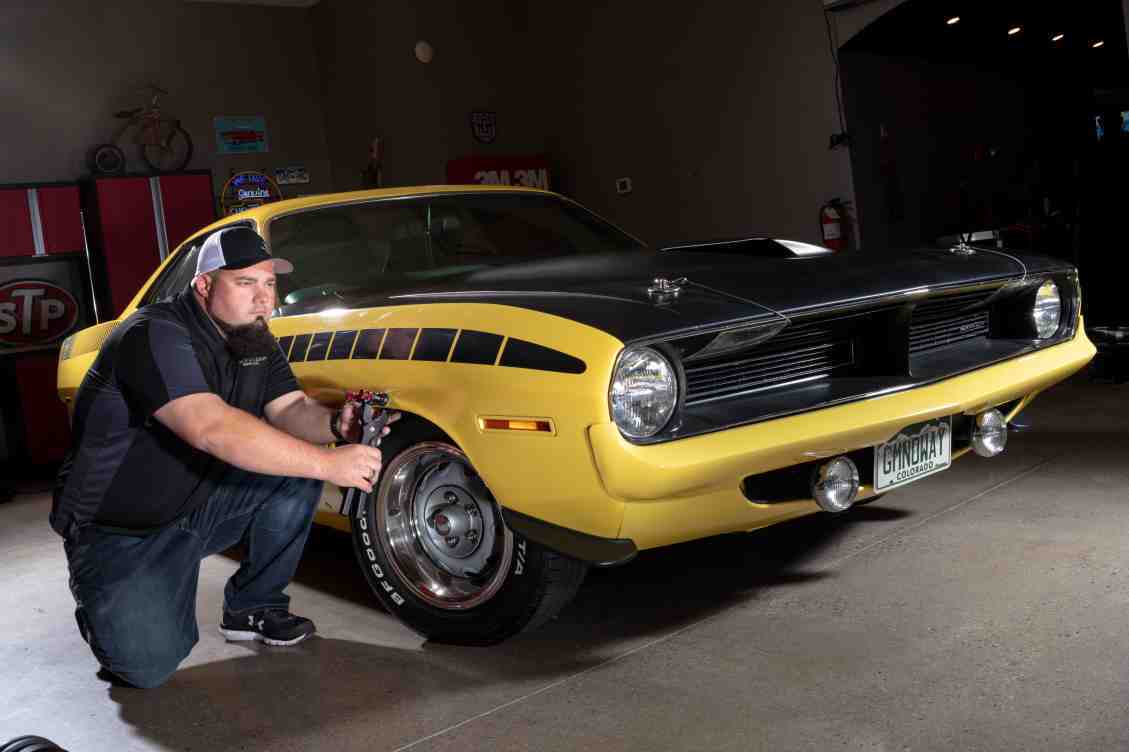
(389, 244)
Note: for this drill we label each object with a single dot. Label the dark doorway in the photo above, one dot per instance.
(990, 122)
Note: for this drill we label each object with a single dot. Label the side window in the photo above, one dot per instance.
(179, 273)
(339, 247)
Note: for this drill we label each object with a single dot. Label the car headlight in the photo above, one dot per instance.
(1047, 312)
(644, 392)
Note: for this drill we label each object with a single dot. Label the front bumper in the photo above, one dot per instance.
(688, 489)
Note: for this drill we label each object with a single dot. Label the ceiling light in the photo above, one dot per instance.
(1058, 37)
(954, 20)
(1014, 30)
(1098, 44)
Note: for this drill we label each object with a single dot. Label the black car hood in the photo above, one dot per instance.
(609, 291)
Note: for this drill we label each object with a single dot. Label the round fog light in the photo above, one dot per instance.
(836, 485)
(989, 436)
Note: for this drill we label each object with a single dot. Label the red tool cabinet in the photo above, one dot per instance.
(72, 255)
(45, 294)
(135, 221)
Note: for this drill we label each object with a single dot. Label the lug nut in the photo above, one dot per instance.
(450, 497)
(452, 541)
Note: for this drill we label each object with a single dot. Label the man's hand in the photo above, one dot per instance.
(354, 466)
(209, 424)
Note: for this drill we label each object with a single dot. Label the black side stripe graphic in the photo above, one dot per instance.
(319, 346)
(298, 352)
(398, 344)
(342, 344)
(369, 344)
(522, 354)
(477, 347)
(434, 344)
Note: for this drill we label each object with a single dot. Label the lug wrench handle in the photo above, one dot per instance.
(374, 416)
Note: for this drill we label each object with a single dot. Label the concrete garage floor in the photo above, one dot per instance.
(986, 608)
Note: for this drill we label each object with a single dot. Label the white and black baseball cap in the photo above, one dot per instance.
(237, 248)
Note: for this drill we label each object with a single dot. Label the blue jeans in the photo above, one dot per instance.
(136, 596)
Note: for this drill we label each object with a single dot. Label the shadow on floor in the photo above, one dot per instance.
(657, 593)
(259, 701)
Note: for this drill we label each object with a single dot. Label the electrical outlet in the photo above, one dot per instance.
(623, 186)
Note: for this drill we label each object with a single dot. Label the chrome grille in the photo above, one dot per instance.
(802, 354)
(948, 320)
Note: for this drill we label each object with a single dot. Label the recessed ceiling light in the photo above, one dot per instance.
(1098, 44)
(953, 20)
(1058, 37)
(1014, 30)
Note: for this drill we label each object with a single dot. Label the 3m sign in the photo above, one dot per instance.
(35, 312)
(530, 171)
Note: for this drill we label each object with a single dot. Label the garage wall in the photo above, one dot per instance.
(373, 84)
(721, 114)
(69, 64)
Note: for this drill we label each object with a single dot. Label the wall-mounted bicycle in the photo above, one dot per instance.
(162, 143)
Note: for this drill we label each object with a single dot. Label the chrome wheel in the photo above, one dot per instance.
(441, 528)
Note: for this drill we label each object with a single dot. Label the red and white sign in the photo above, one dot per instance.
(530, 172)
(35, 312)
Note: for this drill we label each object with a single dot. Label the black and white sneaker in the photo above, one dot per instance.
(274, 626)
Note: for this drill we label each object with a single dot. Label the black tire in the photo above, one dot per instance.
(107, 159)
(172, 156)
(516, 584)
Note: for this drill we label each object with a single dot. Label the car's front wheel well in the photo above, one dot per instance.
(410, 429)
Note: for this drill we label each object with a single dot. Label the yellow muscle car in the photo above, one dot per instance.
(572, 397)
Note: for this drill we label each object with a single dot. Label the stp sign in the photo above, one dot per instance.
(35, 312)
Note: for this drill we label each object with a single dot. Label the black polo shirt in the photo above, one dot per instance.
(127, 471)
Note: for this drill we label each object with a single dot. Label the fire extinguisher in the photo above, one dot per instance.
(833, 224)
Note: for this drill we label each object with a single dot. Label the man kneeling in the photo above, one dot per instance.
(173, 461)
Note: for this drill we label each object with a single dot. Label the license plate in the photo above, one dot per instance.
(917, 451)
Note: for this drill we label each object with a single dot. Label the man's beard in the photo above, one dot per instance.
(248, 340)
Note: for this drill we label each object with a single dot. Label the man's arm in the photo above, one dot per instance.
(300, 416)
(209, 424)
(157, 367)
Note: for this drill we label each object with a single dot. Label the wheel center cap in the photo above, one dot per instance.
(451, 521)
(454, 524)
